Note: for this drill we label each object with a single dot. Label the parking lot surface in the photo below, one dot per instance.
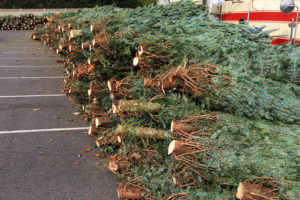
(42, 143)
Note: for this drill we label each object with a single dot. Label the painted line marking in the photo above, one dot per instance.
(9, 42)
(29, 48)
(29, 66)
(25, 48)
(28, 58)
(44, 130)
(33, 96)
(23, 52)
(16, 42)
(27, 42)
(11, 48)
(47, 77)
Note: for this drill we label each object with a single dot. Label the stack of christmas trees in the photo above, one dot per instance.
(189, 107)
(22, 22)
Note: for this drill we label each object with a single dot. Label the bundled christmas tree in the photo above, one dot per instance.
(22, 22)
(187, 106)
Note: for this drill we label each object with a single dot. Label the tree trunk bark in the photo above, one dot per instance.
(141, 132)
(248, 191)
(137, 106)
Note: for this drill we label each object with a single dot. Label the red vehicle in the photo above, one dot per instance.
(259, 13)
(264, 13)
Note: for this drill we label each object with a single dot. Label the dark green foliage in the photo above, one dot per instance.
(74, 3)
(242, 105)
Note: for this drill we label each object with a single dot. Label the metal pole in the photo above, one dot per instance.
(248, 17)
(292, 27)
(296, 23)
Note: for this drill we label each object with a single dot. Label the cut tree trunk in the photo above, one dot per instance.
(91, 130)
(165, 83)
(70, 26)
(93, 60)
(136, 106)
(177, 148)
(136, 61)
(112, 165)
(84, 45)
(98, 42)
(129, 193)
(99, 121)
(248, 191)
(178, 127)
(111, 84)
(183, 179)
(63, 44)
(36, 37)
(74, 48)
(95, 28)
(141, 132)
(75, 33)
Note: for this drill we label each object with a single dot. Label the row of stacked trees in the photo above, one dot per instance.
(22, 22)
(189, 106)
(74, 3)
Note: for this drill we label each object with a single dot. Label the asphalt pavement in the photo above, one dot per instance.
(42, 143)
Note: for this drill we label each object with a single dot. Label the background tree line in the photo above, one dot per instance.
(73, 3)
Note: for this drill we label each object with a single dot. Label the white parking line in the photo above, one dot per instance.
(44, 130)
(47, 77)
(21, 52)
(29, 49)
(22, 66)
(10, 48)
(16, 44)
(33, 96)
(28, 58)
